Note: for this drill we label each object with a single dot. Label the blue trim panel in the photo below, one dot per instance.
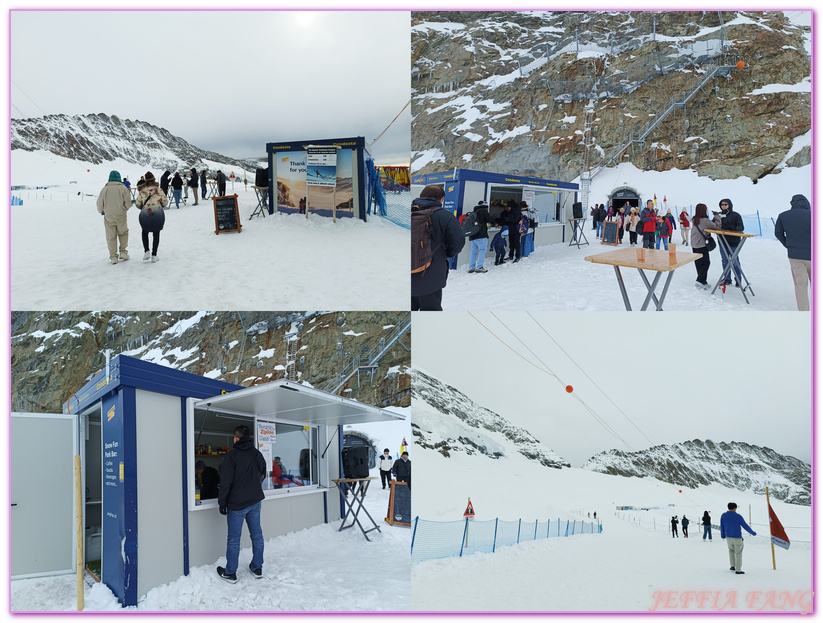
(470, 175)
(355, 142)
(130, 495)
(340, 466)
(185, 501)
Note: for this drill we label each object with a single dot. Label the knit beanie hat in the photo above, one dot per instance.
(149, 177)
(114, 176)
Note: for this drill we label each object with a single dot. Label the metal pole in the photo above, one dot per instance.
(494, 543)
(774, 563)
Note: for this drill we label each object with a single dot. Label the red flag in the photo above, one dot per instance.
(779, 536)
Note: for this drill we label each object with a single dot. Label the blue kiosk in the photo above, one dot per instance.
(142, 427)
(552, 200)
(295, 182)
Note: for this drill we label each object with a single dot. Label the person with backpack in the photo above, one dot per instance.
(499, 245)
(674, 527)
(685, 523)
(435, 236)
(476, 226)
(663, 231)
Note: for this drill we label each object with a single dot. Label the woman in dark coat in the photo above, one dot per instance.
(151, 201)
(193, 184)
(707, 525)
(701, 222)
(177, 186)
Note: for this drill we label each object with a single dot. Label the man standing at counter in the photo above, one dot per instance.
(239, 498)
(402, 469)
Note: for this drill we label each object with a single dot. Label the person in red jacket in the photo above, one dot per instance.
(685, 224)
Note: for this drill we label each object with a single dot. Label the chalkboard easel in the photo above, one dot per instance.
(226, 215)
(610, 232)
(399, 510)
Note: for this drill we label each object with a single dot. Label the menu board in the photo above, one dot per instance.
(226, 214)
(610, 232)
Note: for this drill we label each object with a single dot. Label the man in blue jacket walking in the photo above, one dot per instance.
(730, 529)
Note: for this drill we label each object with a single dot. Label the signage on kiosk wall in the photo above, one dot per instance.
(321, 166)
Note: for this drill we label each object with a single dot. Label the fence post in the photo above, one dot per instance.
(535, 529)
(558, 526)
(465, 534)
(414, 532)
(567, 527)
(494, 544)
(759, 228)
(519, 521)
(548, 528)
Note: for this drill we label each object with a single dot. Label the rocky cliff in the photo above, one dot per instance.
(53, 354)
(508, 91)
(98, 138)
(448, 421)
(697, 463)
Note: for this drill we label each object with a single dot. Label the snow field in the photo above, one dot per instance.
(60, 259)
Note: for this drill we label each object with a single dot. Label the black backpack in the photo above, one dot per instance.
(422, 251)
(469, 224)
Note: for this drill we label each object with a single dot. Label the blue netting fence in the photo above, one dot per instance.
(392, 202)
(752, 223)
(446, 539)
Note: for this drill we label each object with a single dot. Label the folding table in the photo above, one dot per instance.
(657, 261)
(359, 486)
(577, 228)
(732, 257)
(262, 206)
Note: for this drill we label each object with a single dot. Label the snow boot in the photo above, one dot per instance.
(257, 573)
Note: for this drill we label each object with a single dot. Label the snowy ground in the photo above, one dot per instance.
(310, 570)
(556, 277)
(629, 567)
(59, 258)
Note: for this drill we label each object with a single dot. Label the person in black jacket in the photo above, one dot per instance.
(164, 182)
(204, 191)
(239, 498)
(208, 479)
(176, 186)
(446, 239)
(402, 469)
(221, 184)
(193, 184)
(729, 220)
(480, 240)
(511, 217)
(794, 231)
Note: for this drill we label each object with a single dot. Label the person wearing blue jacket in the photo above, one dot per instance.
(730, 529)
(794, 231)
(498, 245)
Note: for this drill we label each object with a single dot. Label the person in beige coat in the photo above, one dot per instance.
(112, 203)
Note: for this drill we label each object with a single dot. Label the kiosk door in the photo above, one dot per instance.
(43, 446)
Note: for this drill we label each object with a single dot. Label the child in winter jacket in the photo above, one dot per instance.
(499, 245)
(663, 231)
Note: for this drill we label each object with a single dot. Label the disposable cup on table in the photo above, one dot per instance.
(641, 254)
(672, 253)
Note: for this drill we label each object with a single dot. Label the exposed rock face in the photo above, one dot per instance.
(100, 138)
(507, 91)
(464, 426)
(696, 463)
(53, 354)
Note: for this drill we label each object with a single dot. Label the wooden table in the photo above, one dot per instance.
(732, 257)
(657, 261)
(354, 506)
(577, 231)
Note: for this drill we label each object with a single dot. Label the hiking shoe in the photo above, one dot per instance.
(739, 572)
(124, 257)
(231, 578)
(147, 256)
(517, 260)
(153, 259)
(731, 568)
(472, 270)
(481, 270)
(257, 573)
(114, 260)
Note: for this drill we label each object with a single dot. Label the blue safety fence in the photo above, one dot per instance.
(752, 223)
(16, 201)
(393, 204)
(447, 539)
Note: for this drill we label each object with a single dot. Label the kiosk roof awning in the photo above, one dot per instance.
(295, 402)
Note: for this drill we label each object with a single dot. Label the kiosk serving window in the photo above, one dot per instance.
(290, 451)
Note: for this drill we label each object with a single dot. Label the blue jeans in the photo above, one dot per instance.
(707, 530)
(735, 269)
(203, 191)
(599, 228)
(176, 197)
(664, 240)
(478, 252)
(235, 527)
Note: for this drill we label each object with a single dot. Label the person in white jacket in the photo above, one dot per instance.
(385, 464)
(112, 202)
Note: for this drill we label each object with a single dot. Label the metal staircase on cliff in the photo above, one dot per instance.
(717, 68)
(370, 359)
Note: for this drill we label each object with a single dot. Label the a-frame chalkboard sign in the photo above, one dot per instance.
(226, 215)
(610, 232)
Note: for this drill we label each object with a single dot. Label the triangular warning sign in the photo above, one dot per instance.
(469, 511)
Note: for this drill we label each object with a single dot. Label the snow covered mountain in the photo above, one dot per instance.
(447, 421)
(98, 138)
(510, 91)
(736, 465)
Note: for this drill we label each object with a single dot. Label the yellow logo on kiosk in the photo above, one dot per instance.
(110, 414)
(121, 471)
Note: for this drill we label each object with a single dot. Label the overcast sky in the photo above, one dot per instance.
(225, 81)
(749, 383)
